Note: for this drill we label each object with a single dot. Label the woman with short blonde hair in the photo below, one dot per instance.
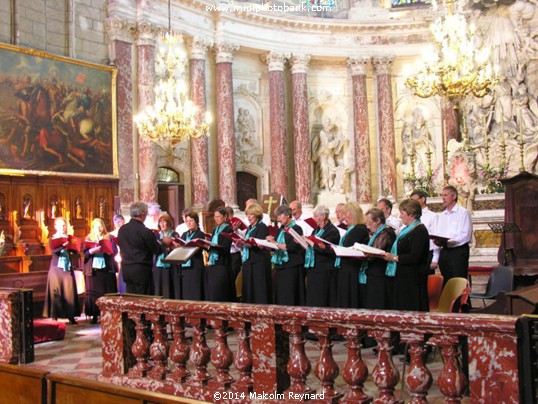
(347, 268)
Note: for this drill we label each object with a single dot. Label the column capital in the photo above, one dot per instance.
(275, 61)
(383, 64)
(224, 52)
(299, 63)
(146, 33)
(118, 29)
(198, 48)
(357, 66)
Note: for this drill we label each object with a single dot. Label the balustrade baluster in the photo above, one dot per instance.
(221, 356)
(326, 369)
(385, 374)
(243, 359)
(451, 381)
(140, 347)
(200, 353)
(158, 350)
(179, 351)
(418, 377)
(299, 366)
(355, 371)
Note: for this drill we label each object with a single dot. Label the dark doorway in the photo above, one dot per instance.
(171, 194)
(246, 188)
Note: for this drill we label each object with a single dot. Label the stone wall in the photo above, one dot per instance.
(73, 28)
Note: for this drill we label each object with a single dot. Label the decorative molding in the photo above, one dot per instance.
(146, 33)
(224, 52)
(299, 63)
(198, 48)
(275, 61)
(383, 64)
(118, 29)
(358, 66)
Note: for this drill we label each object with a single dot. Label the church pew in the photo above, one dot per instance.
(22, 385)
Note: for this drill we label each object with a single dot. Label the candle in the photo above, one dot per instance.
(502, 123)
(485, 131)
(520, 127)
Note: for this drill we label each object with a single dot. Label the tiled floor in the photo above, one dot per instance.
(79, 355)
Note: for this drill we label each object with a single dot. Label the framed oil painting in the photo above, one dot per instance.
(57, 115)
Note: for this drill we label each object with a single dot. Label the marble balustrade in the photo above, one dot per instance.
(144, 346)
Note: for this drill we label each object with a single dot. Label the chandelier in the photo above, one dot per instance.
(173, 117)
(455, 68)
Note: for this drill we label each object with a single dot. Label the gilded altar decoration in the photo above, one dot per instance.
(57, 115)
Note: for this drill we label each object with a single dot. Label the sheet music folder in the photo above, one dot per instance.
(180, 254)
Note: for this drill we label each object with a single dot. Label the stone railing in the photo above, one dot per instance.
(144, 346)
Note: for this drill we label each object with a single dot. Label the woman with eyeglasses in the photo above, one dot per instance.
(192, 271)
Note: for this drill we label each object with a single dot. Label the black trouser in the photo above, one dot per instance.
(454, 262)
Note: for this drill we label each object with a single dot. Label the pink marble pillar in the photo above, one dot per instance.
(363, 171)
(382, 69)
(225, 123)
(147, 151)
(199, 157)
(277, 119)
(121, 53)
(301, 140)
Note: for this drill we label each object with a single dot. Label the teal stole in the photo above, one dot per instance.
(63, 261)
(162, 256)
(190, 234)
(391, 266)
(338, 260)
(310, 257)
(364, 266)
(245, 251)
(281, 256)
(214, 254)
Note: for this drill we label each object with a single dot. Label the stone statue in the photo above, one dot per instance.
(416, 139)
(328, 151)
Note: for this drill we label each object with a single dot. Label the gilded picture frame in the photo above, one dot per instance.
(57, 115)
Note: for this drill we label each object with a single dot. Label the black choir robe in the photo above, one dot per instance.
(290, 276)
(257, 284)
(318, 279)
(346, 291)
(192, 277)
(219, 278)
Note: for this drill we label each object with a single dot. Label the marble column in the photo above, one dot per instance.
(363, 171)
(225, 123)
(147, 150)
(199, 147)
(301, 140)
(277, 120)
(121, 54)
(382, 70)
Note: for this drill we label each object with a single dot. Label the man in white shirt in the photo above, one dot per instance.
(386, 206)
(296, 211)
(454, 223)
(266, 218)
(428, 219)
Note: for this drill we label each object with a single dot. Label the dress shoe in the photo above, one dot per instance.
(73, 321)
(93, 320)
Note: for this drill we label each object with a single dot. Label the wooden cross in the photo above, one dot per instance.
(269, 201)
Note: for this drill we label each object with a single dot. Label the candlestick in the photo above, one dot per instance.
(521, 145)
(486, 143)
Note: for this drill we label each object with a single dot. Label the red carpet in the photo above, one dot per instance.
(48, 330)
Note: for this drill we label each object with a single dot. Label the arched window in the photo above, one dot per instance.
(165, 174)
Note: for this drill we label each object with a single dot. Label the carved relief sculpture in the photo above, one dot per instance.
(78, 208)
(102, 207)
(245, 135)
(328, 152)
(27, 206)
